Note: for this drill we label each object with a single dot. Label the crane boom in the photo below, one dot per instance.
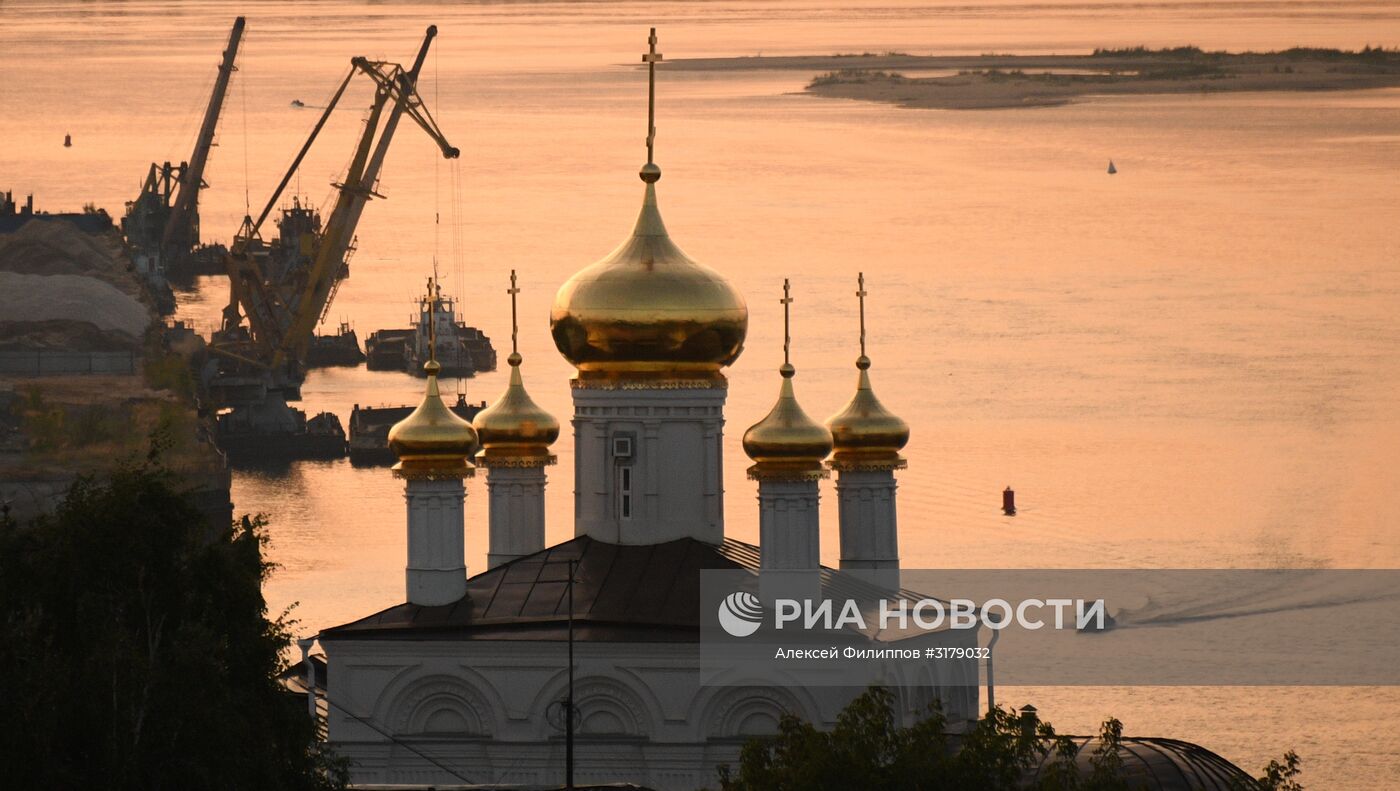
(284, 288)
(182, 226)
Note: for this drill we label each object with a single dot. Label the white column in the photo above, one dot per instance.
(869, 526)
(516, 512)
(789, 542)
(309, 674)
(789, 533)
(648, 463)
(437, 570)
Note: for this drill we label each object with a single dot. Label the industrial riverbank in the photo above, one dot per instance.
(89, 375)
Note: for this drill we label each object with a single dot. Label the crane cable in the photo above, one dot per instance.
(243, 94)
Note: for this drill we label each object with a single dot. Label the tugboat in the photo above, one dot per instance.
(342, 348)
(369, 429)
(462, 350)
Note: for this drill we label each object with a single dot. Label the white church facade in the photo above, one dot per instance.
(464, 681)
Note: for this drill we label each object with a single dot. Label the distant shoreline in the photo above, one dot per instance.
(1009, 81)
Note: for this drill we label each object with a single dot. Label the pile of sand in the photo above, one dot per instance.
(75, 298)
(61, 288)
(54, 247)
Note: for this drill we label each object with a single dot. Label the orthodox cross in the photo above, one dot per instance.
(787, 334)
(651, 59)
(514, 324)
(861, 294)
(432, 320)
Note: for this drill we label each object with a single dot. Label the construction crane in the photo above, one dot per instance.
(282, 288)
(162, 224)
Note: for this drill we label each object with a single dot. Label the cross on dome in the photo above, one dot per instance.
(651, 58)
(787, 324)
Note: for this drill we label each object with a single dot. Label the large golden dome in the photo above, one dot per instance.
(433, 441)
(648, 309)
(865, 434)
(787, 441)
(515, 430)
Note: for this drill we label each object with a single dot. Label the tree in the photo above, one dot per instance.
(136, 651)
(868, 749)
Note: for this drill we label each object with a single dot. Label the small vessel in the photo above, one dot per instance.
(369, 429)
(342, 348)
(462, 350)
(273, 432)
(1111, 168)
(67, 141)
(298, 103)
(387, 350)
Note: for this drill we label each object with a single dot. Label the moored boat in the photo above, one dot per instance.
(369, 429)
(461, 350)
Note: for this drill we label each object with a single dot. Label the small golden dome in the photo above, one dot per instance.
(515, 429)
(787, 440)
(648, 309)
(433, 441)
(865, 434)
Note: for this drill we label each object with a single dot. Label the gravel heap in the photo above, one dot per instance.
(61, 288)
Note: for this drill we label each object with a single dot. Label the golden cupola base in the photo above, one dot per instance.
(648, 315)
(787, 444)
(515, 431)
(433, 442)
(866, 435)
(515, 438)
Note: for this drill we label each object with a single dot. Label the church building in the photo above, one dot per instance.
(467, 680)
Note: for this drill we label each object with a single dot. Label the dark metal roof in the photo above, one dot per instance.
(1155, 764)
(622, 592)
(646, 593)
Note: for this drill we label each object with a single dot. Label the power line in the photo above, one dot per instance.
(391, 737)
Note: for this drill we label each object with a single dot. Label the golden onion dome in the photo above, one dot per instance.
(648, 309)
(787, 440)
(433, 441)
(515, 430)
(865, 433)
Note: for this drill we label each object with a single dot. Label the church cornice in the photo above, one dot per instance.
(769, 472)
(717, 382)
(868, 465)
(419, 472)
(516, 461)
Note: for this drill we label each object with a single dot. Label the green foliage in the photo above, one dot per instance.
(869, 750)
(889, 53)
(856, 76)
(51, 427)
(1281, 776)
(1367, 53)
(1141, 51)
(136, 651)
(166, 371)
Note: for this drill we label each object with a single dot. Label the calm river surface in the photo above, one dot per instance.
(1194, 363)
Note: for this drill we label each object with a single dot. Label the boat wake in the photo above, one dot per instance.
(1260, 596)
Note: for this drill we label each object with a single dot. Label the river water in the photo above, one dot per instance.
(1193, 363)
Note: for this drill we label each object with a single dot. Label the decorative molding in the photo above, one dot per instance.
(649, 384)
(726, 712)
(490, 462)
(418, 474)
(757, 473)
(425, 697)
(868, 465)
